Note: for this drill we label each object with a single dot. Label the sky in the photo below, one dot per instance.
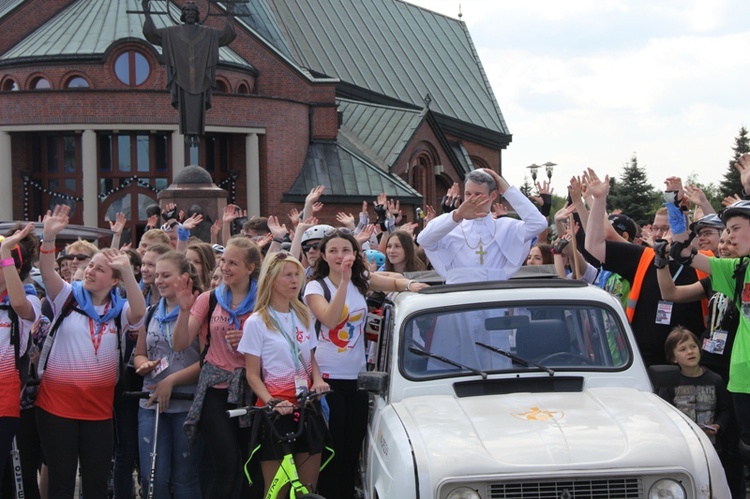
(589, 83)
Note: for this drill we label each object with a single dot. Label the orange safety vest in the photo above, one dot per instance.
(647, 258)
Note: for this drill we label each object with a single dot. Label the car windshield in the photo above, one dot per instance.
(484, 340)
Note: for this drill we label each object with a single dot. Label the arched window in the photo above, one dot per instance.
(222, 87)
(40, 83)
(77, 82)
(132, 68)
(243, 89)
(10, 85)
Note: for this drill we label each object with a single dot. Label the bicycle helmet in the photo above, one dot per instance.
(711, 221)
(375, 257)
(315, 232)
(741, 208)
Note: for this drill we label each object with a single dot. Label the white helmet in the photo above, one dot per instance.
(315, 232)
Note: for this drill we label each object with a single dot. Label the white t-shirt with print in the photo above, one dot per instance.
(279, 370)
(341, 350)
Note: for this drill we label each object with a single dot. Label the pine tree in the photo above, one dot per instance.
(731, 184)
(633, 194)
(526, 188)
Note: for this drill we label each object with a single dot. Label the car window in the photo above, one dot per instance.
(455, 342)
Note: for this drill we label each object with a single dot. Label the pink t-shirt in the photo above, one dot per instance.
(220, 353)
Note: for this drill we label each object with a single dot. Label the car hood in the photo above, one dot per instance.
(526, 432)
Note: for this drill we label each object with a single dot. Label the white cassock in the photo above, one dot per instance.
(478, 250)
(483, 249)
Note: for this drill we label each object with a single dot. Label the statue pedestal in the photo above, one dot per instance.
(194, 188)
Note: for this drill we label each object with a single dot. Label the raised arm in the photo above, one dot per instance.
(150, 32)
(595, 229)
(186, 327)
(121, 263)
(54, 222)
(13, 284)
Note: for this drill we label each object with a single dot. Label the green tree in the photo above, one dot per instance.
(712, 191)
(526, 188)
(731, 184)
(633, 194)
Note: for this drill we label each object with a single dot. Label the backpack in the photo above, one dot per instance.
(212, 301)
(23, 360)
(69, 306)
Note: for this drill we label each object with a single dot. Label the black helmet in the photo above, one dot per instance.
(741, 208)
(712, 221)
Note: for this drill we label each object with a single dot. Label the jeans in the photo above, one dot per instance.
(176, 464)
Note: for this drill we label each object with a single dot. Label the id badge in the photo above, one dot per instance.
(300, 385)
(161, 366)
(664, 312)
(716, 343)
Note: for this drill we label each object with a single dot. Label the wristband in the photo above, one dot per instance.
(7, 262)
(546, 204)
(408, 285)
(277, 240)
(47, 252)
(183, 234)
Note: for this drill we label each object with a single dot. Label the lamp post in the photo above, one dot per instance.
(534, 168)
(549, 166)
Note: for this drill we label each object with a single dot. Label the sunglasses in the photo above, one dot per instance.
(80, 257)
(308, 247)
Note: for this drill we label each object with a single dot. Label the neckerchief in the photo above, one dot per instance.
(224, 299)
(83, 298)
(163, 317)
(28, 288)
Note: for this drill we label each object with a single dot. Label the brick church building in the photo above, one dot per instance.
(362, 96)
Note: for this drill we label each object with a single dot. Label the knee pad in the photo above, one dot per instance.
(744, 451)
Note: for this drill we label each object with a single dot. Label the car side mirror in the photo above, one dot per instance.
(664, 376)
(374, 382)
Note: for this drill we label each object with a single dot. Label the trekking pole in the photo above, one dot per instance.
(17, 472)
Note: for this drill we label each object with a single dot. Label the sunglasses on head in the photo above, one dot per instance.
(340, 230)
(167, 227)
(308, 247)
(282, 255)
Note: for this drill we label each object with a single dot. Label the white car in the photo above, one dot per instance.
(523, 389)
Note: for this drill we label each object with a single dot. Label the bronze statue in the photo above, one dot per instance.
(191, 53)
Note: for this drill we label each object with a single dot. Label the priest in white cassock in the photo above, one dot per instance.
(470, 245)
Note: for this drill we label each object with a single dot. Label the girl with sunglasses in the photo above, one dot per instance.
(17, 251)
(279, 346)
(75, 400)
(222, 384)
(341, 349)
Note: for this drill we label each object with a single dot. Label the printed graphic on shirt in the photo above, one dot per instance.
(347, 332)
(698, 402)
(746, 301)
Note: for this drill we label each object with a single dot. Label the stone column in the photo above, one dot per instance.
(178, 153)
(90, 179)
(252, 160)
(6, 172)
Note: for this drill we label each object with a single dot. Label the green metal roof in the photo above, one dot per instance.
(8, 5)
(385, 130)
(90, 27)
(348, 177)
(394, 49)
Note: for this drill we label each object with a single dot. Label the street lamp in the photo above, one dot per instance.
(549, 166)
(534, 170)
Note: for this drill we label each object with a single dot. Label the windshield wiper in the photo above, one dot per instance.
(515, 358)
(423, 353)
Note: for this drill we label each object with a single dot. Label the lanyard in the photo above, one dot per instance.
(96, 333)
(293, 345)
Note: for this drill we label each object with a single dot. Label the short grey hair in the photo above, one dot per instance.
(482, 177)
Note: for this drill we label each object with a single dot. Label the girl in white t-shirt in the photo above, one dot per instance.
(341, 351)
(17, 251)
(75, 400)
(279, 344)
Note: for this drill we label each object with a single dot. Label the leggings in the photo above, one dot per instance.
(347, 425)
(64, 442)
(30, 450)
(228, 445)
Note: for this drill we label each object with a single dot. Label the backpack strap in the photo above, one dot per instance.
(212, 302)
(327, 296)
(69, 305)
(15, 335)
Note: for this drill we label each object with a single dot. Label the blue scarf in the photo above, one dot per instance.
(29, 288)
(224, 299)
(83, 298)
(162, 316)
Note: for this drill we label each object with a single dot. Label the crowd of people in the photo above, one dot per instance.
(255, 317)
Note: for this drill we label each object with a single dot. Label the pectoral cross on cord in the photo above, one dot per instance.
(481, 254)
